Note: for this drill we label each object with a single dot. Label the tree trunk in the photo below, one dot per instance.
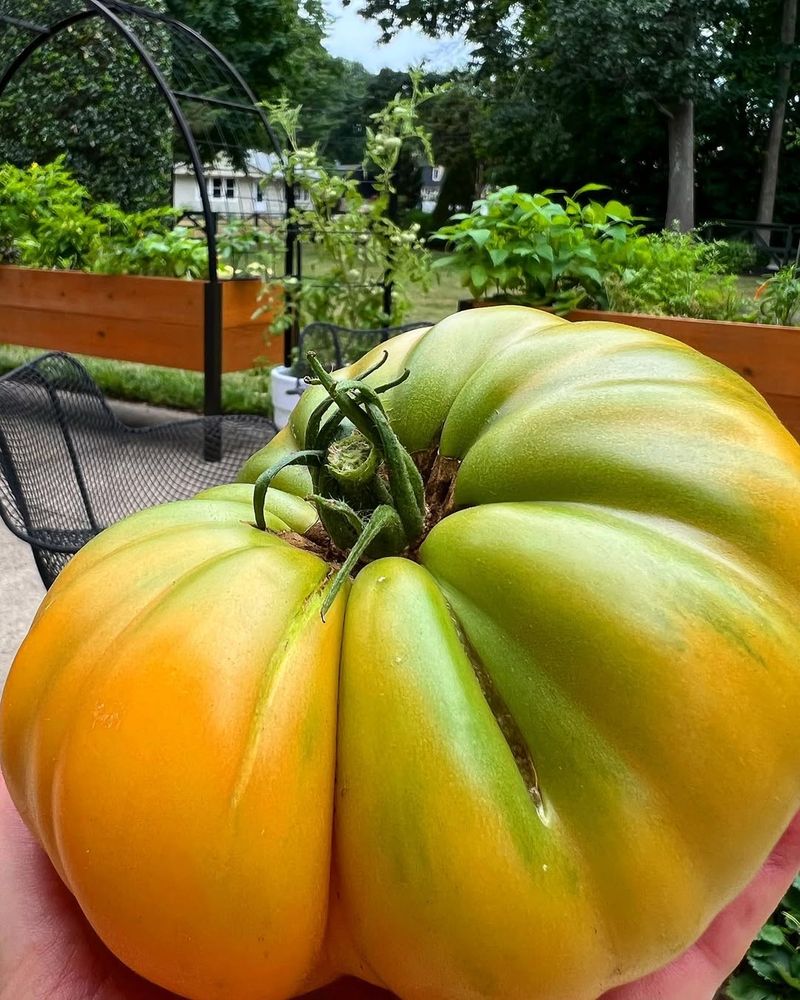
(769, 176)
(680, 196)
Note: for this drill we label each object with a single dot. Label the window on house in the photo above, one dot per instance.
(259, 193)
(436, 173)
(216, 187)
(230, 188)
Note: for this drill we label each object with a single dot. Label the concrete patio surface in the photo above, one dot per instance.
(21, 590)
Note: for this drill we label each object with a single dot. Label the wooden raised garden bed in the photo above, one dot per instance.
(157, 321)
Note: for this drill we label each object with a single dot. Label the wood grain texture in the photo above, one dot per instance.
(108, 296)
(247, 347)
(156, 321)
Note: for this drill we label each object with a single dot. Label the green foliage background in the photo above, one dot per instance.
(85, 93)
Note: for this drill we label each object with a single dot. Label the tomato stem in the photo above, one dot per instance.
(384, 520)
(264, 481)
(368, 492)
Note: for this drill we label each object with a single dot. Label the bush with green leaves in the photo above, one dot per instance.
(546, 249)
(771, 969)
(779, 296)
(357, 245)
(44, 216)
(48, 220)
(87, 93)
(733, 256)
(674, 274)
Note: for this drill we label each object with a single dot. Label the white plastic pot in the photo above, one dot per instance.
(286, 390)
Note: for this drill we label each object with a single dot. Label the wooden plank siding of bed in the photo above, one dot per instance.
(157, 321)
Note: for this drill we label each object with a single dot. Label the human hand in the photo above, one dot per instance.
(49, 952)
(699, 972)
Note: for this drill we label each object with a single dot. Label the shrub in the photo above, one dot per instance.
(538, 250)
(44, 220)
(673, 274)
(732, 256)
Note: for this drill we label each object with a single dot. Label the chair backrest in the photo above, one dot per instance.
(43, 407)
(69, 467)
(338, 346)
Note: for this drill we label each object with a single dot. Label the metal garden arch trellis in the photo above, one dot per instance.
(197, 73)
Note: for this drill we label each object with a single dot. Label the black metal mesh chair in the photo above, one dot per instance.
(69, 467)
(338, 346)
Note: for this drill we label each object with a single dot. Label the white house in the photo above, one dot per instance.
(432, 178)
(257, 187)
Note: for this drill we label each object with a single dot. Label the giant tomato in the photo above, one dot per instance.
(527, 757)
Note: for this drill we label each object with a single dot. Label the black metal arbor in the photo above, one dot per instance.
(192, 77)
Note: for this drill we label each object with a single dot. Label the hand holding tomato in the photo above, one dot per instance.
(49, 952)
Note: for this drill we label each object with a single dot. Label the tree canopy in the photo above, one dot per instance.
(630, 93)
(577, 90)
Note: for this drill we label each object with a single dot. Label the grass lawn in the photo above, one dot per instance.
(242, 392)
(436, 303)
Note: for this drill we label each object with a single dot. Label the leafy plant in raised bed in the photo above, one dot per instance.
(538, 250)
(47, 220)
(357, 245)
(44, 219)
(676, 274)
(779, 296)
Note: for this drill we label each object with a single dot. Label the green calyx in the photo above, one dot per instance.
(367, 490)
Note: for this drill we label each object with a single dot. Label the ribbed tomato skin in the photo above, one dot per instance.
(531, 763)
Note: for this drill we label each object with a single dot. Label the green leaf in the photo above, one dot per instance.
(590, 273)
(772, 934)
(479, 236)
(772, 964)
(478, 276)
(617, 210)
(747, 986)
(499, 255)
(590, 187)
